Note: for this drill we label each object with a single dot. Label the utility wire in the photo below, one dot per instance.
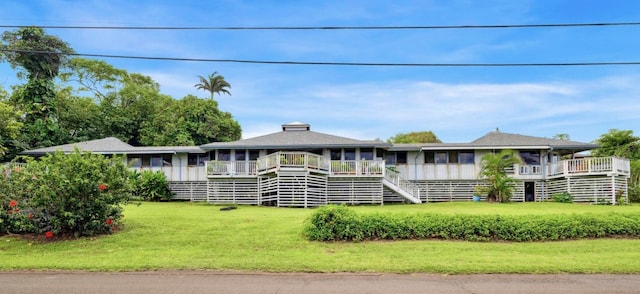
(545, 64)
(505, 26)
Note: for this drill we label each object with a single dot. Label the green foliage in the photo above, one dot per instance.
(214, 84)
(332, 222)
(621, 143)
(189, 121)
(36, 99)
(338, 223)
(9, 126)
(414, 137)
(79, 194)
(493, 169)
(150, 186)
(563, 197)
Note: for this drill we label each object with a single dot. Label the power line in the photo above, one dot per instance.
(544, 64)
(504, 26)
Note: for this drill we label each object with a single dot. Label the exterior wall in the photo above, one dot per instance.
(192, 191)
(233, 190)
(355, 191)
(179, 171)
(594, 189)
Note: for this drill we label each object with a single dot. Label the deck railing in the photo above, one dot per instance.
(530, 170)
(357, 167)
(234, 168)
(590, 166)
(395, 178)
(292, 160)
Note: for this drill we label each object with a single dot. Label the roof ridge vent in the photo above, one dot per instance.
(296, 126)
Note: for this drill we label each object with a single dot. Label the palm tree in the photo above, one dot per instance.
(493, 168)
(213, 83)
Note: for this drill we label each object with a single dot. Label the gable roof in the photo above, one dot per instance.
(112, 145)
(295, 136)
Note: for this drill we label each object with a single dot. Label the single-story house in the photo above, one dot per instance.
(297, 167)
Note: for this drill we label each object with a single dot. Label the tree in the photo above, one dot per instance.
(9, 126)
(190, 121)
(620, 143)
(624, 144)
(414, 137)
(562, 136)
(493, 169)
(41, 56)
(213, 83)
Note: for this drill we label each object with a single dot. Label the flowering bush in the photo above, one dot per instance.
(64, 194)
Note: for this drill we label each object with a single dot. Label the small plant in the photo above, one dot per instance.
(151, 186)
(563, 197)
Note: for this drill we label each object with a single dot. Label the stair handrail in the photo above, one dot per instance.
(403, 184)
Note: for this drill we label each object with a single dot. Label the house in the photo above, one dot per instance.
(298, 167)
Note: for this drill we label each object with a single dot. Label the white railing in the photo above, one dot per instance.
(409, 187)
(590, 166)
(357, 167)
(234, 168)
(530, 170)
(294, 160)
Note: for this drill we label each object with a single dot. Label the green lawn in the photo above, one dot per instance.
(177, 235)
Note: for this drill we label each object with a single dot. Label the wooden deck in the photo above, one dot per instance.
(295, 161)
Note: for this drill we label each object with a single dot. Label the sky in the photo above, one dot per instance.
(458, 104)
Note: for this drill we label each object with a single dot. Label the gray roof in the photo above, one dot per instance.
(500, 139)
(295, 138)
(111, 145)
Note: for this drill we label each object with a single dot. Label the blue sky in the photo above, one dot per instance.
(457, 104)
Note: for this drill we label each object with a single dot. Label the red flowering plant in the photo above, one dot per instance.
(67, 194)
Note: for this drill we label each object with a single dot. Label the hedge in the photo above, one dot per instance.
(339, 223)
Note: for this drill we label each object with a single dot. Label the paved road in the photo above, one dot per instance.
(230, 282)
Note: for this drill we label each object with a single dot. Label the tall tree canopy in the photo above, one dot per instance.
(414, 137)
(620, 143)
(214, 84)
(41, 56)
(190, 121)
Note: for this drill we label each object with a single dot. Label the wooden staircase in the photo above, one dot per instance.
(404, 188)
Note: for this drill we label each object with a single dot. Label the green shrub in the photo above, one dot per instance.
(563, 197)
(150, 186)
(338, 223)
(78, 194)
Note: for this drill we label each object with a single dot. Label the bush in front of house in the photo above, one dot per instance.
(77, 194)
(338, 223)
(563, 197)
(150, 186)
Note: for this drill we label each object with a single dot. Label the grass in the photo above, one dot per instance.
(160, 236)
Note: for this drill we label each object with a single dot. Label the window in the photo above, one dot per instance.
(241, 155)
(429, 157)
(380, 153)
(134, 161)
(156, 161)
(441, 157)
(254, 154)
(197, 159)
(224, 155)
(453, 157)
(530, 157)
(466, 157)
(336, 154)
(366, 154)
(401, 157)
(349, 154)
(390, 159)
